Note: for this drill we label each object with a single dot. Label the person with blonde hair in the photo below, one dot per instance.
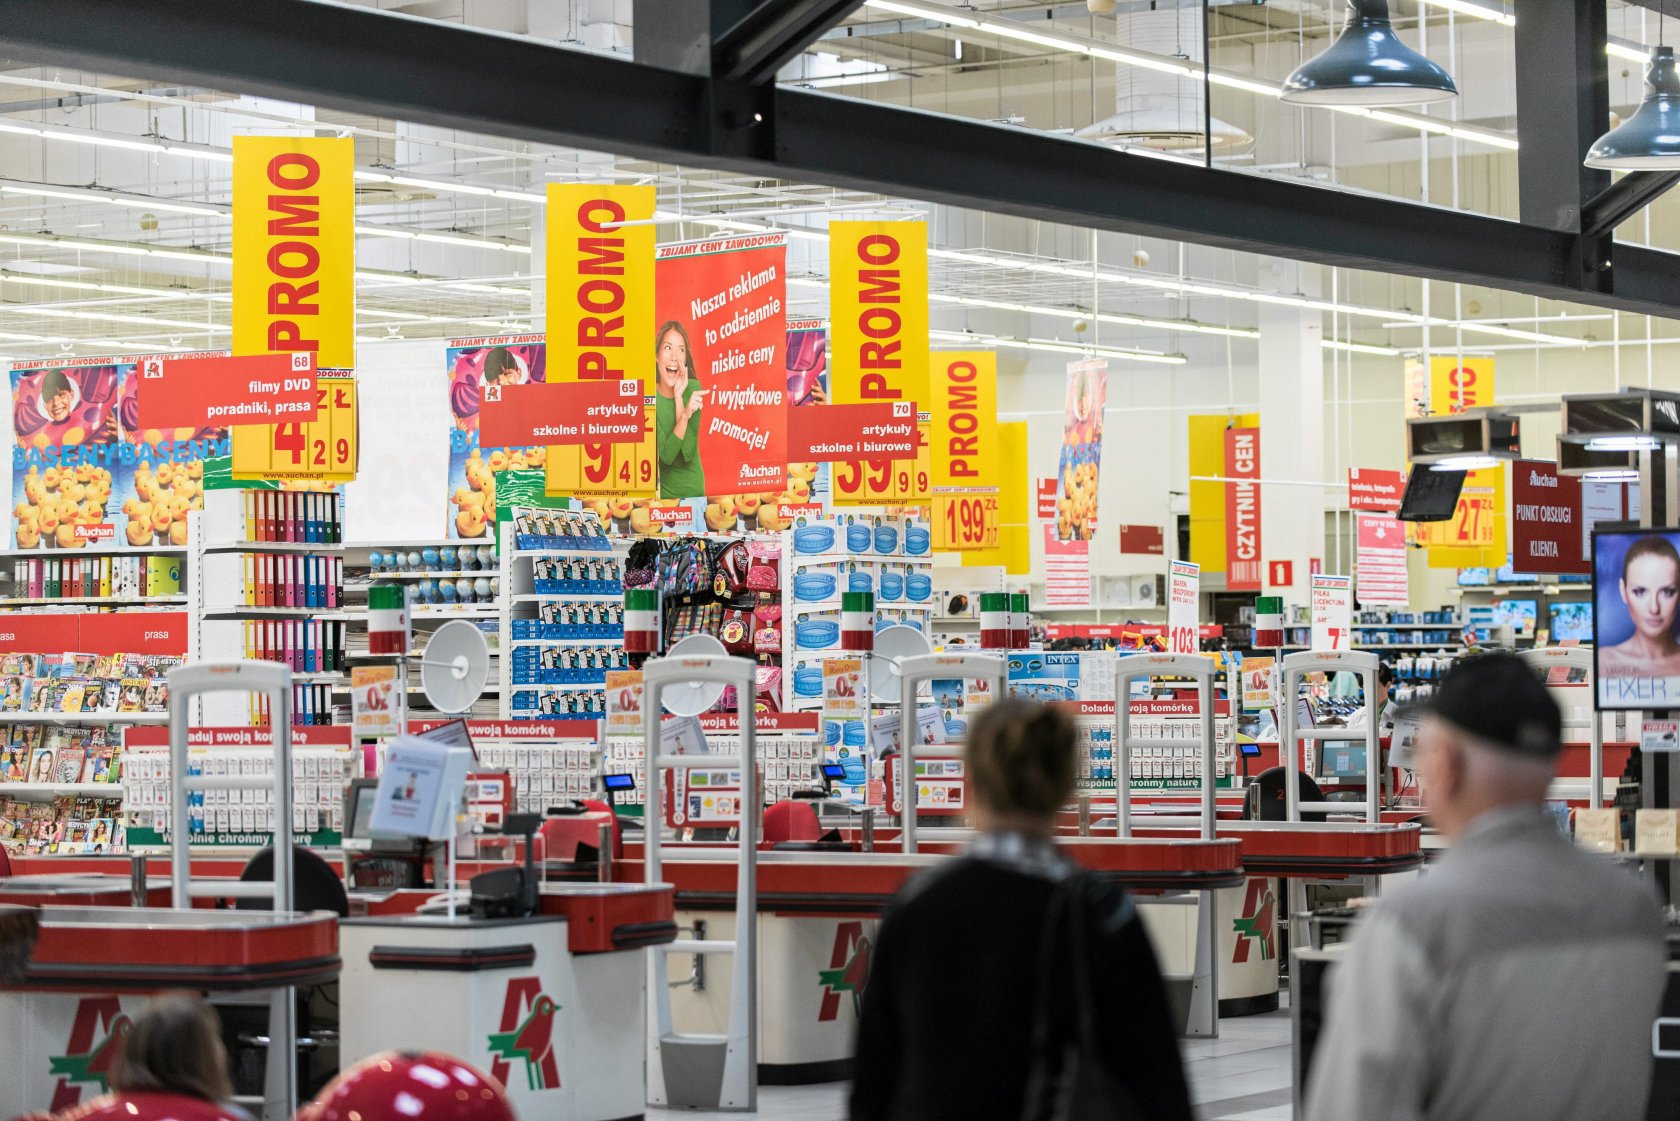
(1008, 984)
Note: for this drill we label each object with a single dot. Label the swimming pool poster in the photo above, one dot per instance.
(1080, 467)
(720, 375)
(473, 365)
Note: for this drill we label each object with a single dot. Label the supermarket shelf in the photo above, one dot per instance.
(365, 656)
(272, 547)
(490, 690)
(427, 612)
(954, 620)
(803, 606)
(1407, 626)
(1378, 647)
(422, 574)
(97, 551)
(591, 554)
(545, 597)
(437, 543)
(84, 718)
(57, 789)
(92, 601)
(316, 677)
(567, 641)
(231, 612)
(805, 559)
(1549, 589)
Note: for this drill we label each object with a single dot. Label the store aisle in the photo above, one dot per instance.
(1241, 1076)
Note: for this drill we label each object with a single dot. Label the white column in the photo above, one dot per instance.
(539, 263)
(1291, 425)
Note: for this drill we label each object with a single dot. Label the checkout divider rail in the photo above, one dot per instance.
(1361, 664)
(912, 672)
(690, 1069)
(1543, 661)
(274, 680)
(1203, 1019)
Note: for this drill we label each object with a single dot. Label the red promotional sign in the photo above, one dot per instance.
(1046, 493)
(1548, 530)
(303, 735)
(1370, 489)
(1147, 540)
(837, 433)
(103, 531)
(1242, 510)
(130, 632)
(721, 408)
(1280, 573)
(213, 392)
(554, 413)
(1381, 560)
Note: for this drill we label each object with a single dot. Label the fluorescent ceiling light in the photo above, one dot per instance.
(1359, 348)
(1612, 475)
(1634, 443)
(1491, 12)
(1466, 463)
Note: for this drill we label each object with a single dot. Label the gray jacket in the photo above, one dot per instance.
(1518, 979)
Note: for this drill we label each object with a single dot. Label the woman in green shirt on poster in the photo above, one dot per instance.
(677, 414)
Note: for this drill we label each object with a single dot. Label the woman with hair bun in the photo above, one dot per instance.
(989, 971)
(1650, 590)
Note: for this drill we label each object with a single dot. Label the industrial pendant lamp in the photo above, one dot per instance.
(1368, 65)
(1650, 139)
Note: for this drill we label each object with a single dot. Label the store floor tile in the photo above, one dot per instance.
(1244, 1075)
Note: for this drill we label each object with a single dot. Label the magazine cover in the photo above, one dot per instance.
(68, 767)
(41, 765)
(131, 695)
(14, 693)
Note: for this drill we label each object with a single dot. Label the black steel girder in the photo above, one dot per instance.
(772, 34)
(414, 69)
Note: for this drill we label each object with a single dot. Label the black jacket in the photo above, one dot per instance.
(945, 1032)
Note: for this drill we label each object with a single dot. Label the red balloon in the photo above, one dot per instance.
(413, 1086)
(146, 1107)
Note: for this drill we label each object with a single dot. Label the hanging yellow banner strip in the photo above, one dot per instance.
(1014, 541)
(294, 247)
(966, 458)
(1478, 534)
(600, 324)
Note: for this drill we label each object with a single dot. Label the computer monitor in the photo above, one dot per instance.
(1636, 588)
(358, 816)
(1572, 621)
(1431, 496)
(1341, 761)
(1521, 615)
(1474, 577)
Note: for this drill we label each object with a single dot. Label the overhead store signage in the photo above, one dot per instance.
(1548, 528)
(600, 307)
(1144, 540)
(1375, 490)
(966, 456)
(1476, 535)
(1067, 571)
(1380, 559)
(721, 373)
(294, 249)
(883, 431)
(1044, 498)
(878, 343)
(1184, 583)
(1015, 521)
(326, 448)
(1242, 510)
(562, 413)
(205, 392)
(1331, 602)
(1079, 468)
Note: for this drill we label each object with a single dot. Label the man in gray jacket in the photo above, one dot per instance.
(1517, 979)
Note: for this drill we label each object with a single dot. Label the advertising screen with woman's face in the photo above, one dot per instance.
(1636, 601)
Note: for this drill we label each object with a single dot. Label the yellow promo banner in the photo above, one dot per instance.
(963, 425)
(1478, 534)
(601, 324)
(1457, 384)
(1014, 540)
(1207, 500)
(325, 449)
(294, 247)
(878, 308)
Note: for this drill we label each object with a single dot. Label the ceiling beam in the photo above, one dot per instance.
(443, 75)
(772, 34)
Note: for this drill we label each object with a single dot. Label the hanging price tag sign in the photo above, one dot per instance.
(886, 482)
(965, 521)
(624, 470)
(325, 448)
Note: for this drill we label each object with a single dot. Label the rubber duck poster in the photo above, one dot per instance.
(1081, 459)
(473, 470)
(721, 382)
(83, 470)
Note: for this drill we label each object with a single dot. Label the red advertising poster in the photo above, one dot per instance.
(1548, 528)
(1242, 510)
(1370, 489)
(1046, 496)
(1381, 559)
(837, 433)
(554, 413)
(721, 390)
(1147, 540)
(253, 389)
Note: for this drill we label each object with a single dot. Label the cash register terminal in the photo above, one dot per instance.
(376, 862)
